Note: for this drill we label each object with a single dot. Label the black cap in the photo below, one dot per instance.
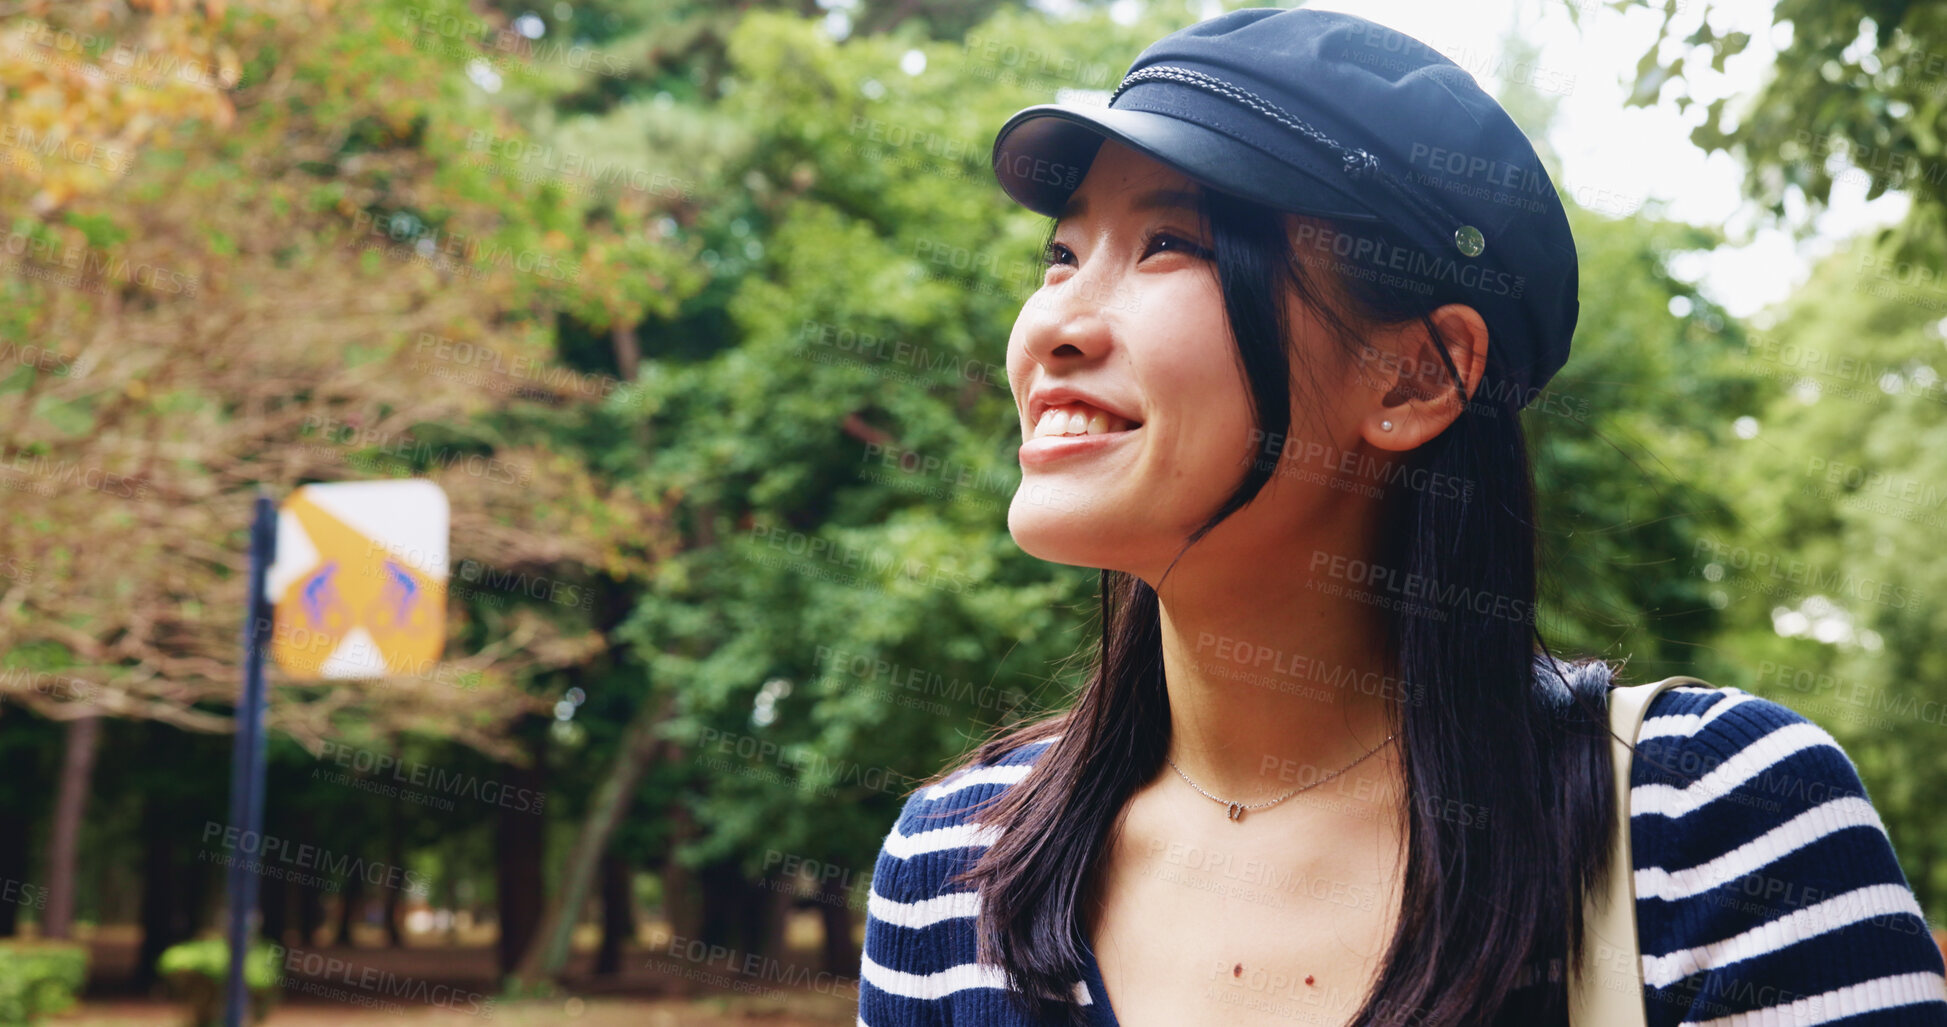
(1329, 114)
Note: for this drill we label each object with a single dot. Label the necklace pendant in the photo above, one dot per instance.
(1236, 811)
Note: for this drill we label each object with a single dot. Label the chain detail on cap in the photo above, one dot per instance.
(1354, 162)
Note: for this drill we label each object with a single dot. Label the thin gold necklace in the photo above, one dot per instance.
(1236, 809)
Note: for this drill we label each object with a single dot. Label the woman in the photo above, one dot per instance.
(1323, 769)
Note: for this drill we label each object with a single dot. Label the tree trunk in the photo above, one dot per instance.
(165, 918)
(618, 914)
(395, 835)
(549, 952)
(70, 807)
(394, 933)
(628, 351)
(518, 883)
(15, 824)
(450, 893)
(349, 896)
(835, 914)
(310, 916)
(274, 898)
(682, 896)
(741, 914)
(774, 907)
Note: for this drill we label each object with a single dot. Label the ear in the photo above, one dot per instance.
(1419, 397)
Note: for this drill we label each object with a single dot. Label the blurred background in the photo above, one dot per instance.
(698, 314)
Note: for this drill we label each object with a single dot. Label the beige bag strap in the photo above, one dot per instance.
(1606, 990)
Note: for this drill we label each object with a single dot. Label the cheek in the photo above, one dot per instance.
(1199, 389)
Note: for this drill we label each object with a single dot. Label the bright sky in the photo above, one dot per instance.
(1617, 156)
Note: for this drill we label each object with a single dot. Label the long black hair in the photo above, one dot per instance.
(1495, 721)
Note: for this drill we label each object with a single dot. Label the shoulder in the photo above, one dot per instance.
(1764, 876)
(1739, 754)
(1727, 783)
(919, 928)
(942, 819)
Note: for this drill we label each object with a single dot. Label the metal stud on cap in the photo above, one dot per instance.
(1468, 240)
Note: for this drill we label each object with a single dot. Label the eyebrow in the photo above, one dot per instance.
(1156, 198)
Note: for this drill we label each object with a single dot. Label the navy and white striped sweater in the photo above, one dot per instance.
(1767, 893)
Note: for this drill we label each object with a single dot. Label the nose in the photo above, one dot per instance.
(1069, 321)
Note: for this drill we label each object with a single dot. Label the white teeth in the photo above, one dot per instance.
(1079, 419)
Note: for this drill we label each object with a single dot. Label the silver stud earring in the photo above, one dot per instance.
(1385, 426)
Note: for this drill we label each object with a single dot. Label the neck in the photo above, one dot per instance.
(1275, 678)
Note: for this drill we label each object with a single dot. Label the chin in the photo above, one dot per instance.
(1073, 532)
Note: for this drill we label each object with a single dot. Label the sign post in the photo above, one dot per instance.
(247, 755)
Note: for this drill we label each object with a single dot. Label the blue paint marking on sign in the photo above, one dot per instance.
(407, 591)
(319, 594)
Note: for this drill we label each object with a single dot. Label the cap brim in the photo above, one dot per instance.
(1042, 152)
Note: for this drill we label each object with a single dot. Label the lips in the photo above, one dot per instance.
(1045, 450)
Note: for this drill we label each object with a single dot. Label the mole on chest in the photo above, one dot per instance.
(1238, 971)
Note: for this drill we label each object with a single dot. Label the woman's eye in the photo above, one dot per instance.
(1177, 243)
(1056, 253)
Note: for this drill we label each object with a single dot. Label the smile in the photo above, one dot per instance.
(1071, 419)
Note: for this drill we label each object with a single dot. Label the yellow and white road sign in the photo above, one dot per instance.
(359, 582)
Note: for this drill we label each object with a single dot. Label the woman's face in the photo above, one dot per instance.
(1130, 315)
